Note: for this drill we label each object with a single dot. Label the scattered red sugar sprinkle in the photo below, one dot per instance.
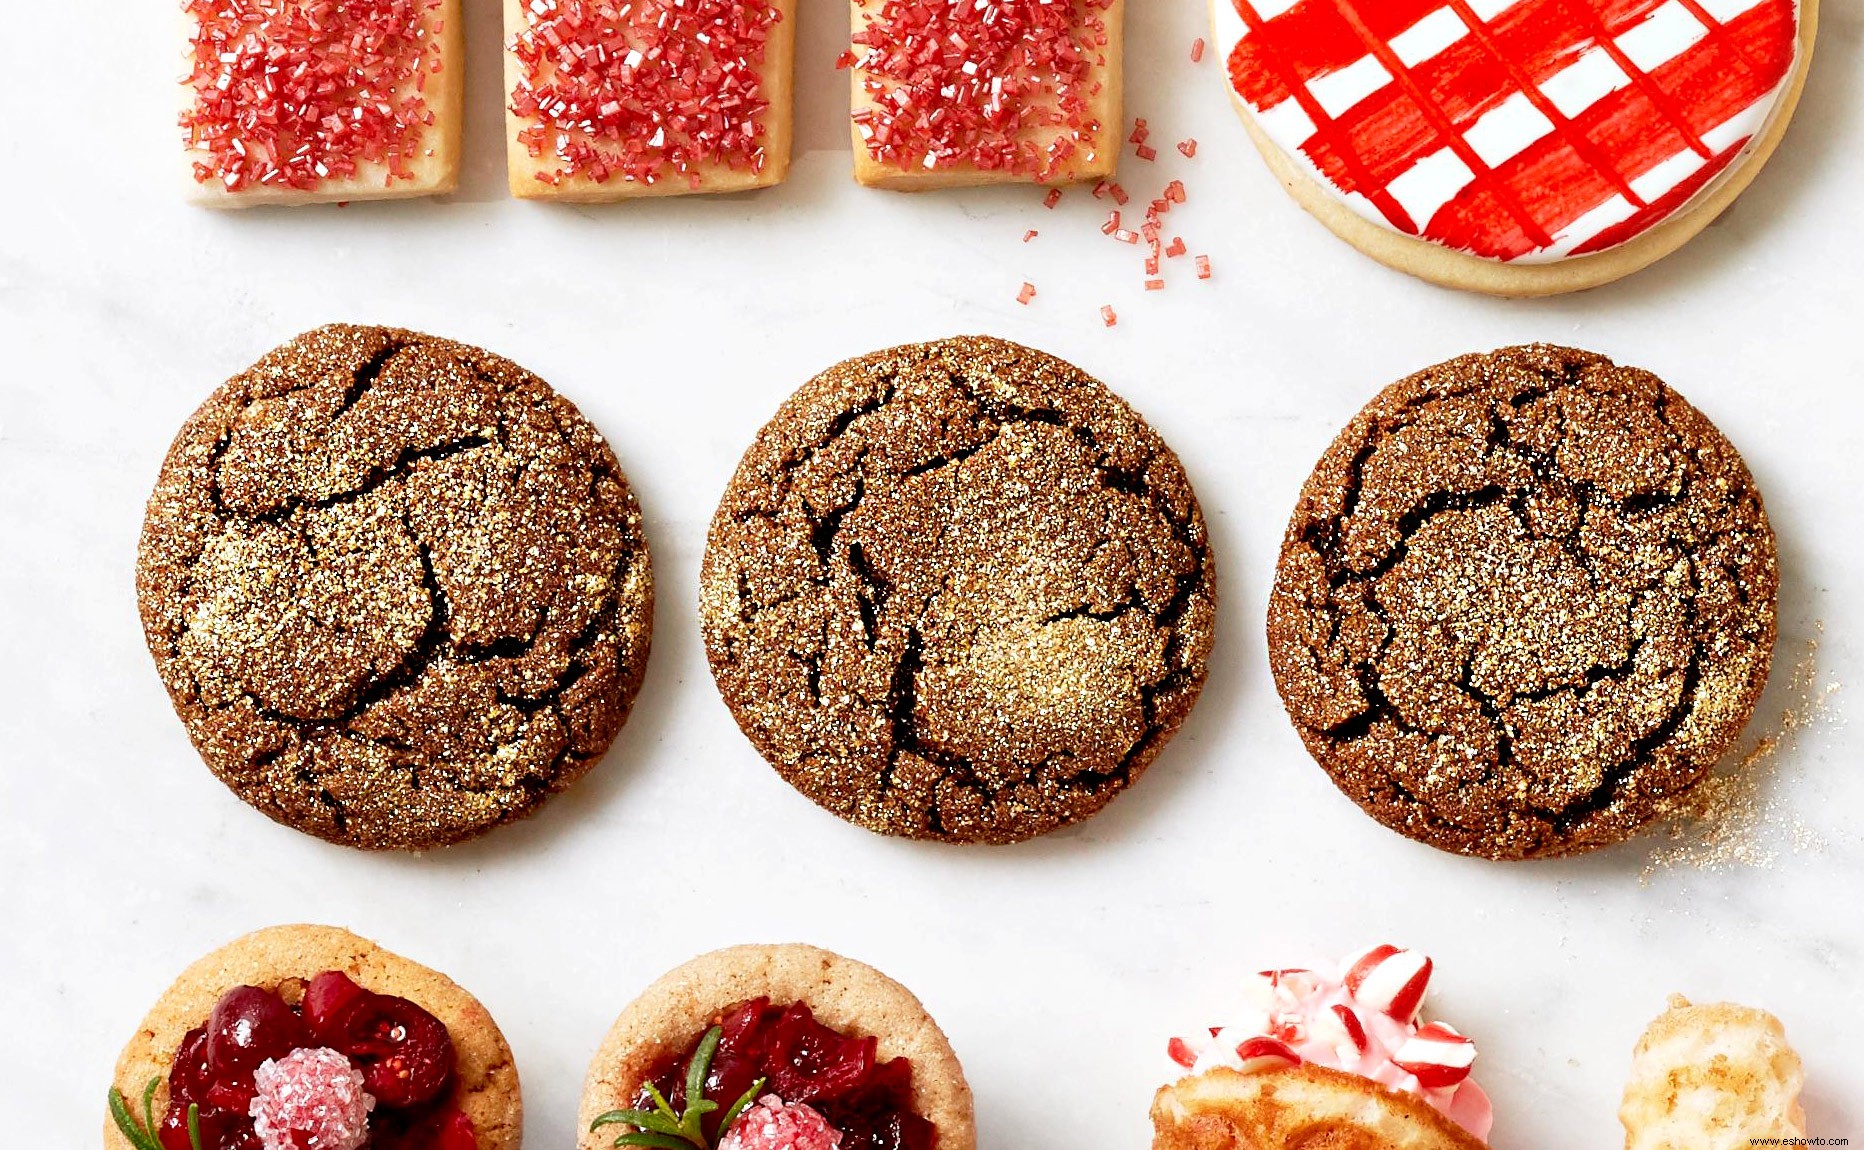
(1118, 193)
(1028, 293)
(1203, 267)
(1000, 85)
(1112, 225)
(1100, 190)
(288, 95)
(1053, 198)
(643, 90)
(1155, 285)
(1174, 191)
(1126, 237)
(1152, 264)
(1158, 208)
(1176, 248)
(1197, 50)
(1146, 152)
(1140, 132)
(1029, 235)
(1189, 147)
(1107, 315)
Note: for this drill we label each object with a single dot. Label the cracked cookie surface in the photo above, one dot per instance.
(1526, 601)
(958, 591)
(396, 586)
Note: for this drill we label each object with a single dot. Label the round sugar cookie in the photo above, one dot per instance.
(849, 997)
(485, 1079)
(1516, 147)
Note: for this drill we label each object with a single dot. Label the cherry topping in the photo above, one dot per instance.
(445, 1128)
(191, 1076)
(405, 1054)
(803, 1061)
(220, 1129)
(248, 1026)
(808, 1061)
(327, 998)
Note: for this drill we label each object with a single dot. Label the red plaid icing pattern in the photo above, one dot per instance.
(1514, 129)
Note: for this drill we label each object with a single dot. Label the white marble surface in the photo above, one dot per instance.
(1059, 967)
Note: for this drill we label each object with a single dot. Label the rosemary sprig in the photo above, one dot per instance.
(141, 1133)
(663, 1128)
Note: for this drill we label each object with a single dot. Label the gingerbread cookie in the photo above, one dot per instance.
(396, 586)
(1335, 1056)
(1526, 601)
(797, 1049)
(1016, 91)
(1518, 147)
(958, 591)
(295, 102)
(654, 98)
(299, 1036)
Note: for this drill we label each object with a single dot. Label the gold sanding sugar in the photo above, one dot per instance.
(1728, 820)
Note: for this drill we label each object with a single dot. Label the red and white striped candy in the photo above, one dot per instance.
(1355, 1029)
(1389, 980)
(1262, 1053)
(1181, 1052)
(1437, 1055)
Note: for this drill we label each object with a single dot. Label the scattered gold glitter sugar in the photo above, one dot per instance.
(1730, 819)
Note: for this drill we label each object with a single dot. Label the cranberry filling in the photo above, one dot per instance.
(801, 1060)
(404, 1053)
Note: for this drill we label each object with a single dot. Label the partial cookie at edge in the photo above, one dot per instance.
(843, 994)
(487, 1089)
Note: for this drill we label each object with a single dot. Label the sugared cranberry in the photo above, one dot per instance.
(405, 1054)
(773, 1124)
(869, 1102)
(311, 1098)
(248, 1026)
(327, 998)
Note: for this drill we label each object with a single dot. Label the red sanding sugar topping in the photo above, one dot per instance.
(290, 93)
(1001, 85)
(643, 90)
